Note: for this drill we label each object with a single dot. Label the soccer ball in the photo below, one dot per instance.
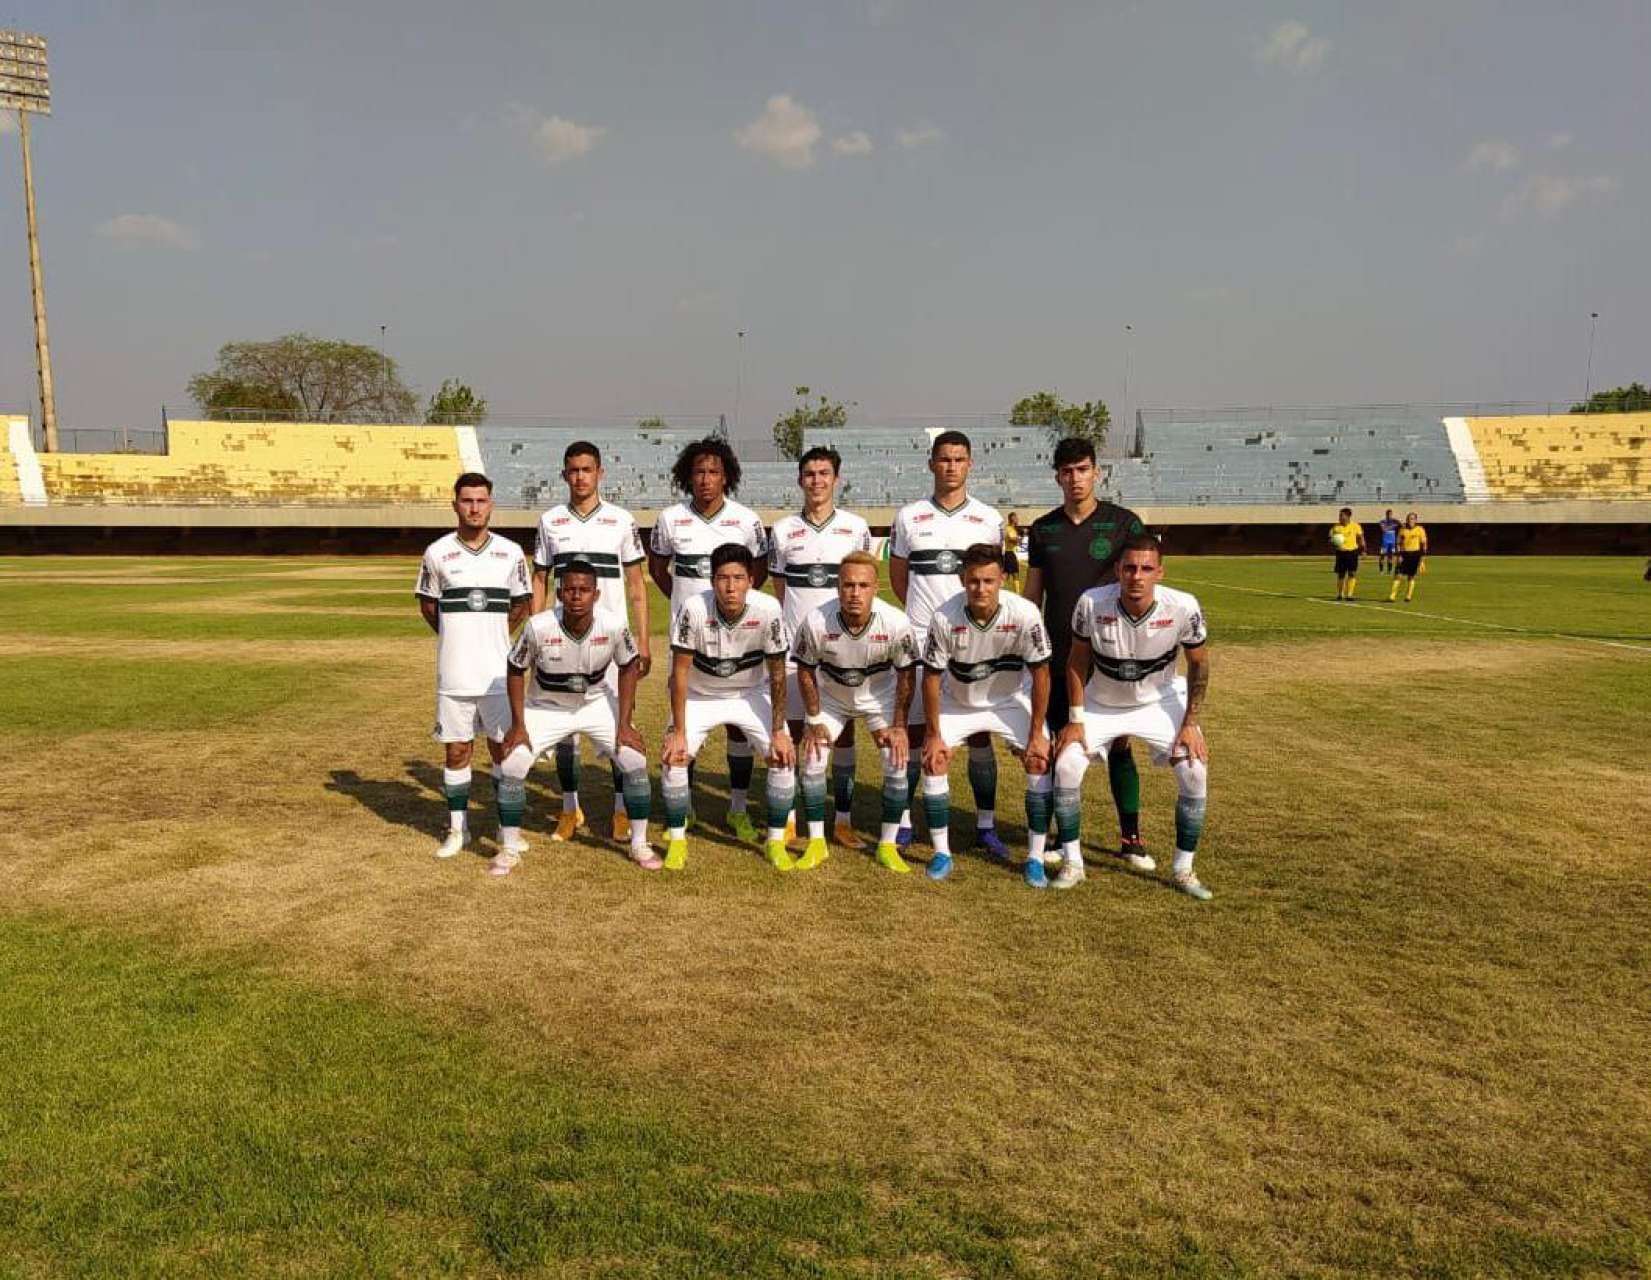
(1338, 541)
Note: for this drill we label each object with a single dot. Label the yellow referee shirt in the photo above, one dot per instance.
(1350, 534)
(1412, 539)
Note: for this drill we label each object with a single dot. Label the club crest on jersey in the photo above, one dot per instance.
(577, 683)
(818, 575)
(980, 670)
(1129, 669)
(726, 666)
(475, 600)
(948, 561)
(853, 679)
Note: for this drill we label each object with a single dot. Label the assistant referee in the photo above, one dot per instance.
(1069, 550)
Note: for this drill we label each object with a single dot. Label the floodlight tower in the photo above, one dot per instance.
(25, 88)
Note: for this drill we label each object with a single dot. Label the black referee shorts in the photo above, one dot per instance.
(1410, 563)
(1347, 562)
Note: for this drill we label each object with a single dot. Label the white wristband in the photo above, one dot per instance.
(1074, 715)
(813, 721)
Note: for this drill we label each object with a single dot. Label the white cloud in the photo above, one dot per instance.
(558, 139)
(1558, 140)
(149, 230)
(919, 136)
(785, 132)
(1549, 195)
(857, 143)
(1295, 48)
(1494, 154)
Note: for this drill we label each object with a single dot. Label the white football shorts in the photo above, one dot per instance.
(749, 711)
(458, 718)
(1155, 723)
(1010, 719)
(597, 720)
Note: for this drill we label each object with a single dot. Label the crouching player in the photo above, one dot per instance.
(728, 648)
(856, 660)
(1122, 682)
(980, 646)
(568, 650)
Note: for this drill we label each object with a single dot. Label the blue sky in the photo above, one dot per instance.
(923, 207)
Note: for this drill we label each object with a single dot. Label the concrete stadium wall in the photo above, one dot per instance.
(1507, 528)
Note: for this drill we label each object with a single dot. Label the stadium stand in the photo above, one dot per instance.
(886, 466)
(1309, 457)
(1545, 457)
(525, 463)
(11, 489)
(266, 462)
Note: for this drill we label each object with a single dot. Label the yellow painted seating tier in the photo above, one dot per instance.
(268, 462)
(1599, 455)
(9, 491)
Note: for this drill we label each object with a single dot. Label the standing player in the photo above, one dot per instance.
(980, 645)
(728, 648)
(925, 556)
(604, 536)
(804, 552)
(570, 650)
(1412, 548)
(856, 659)
(1069, 550)
(1388, 557)
(1121, 681)
(472, 590)
(707, 472)
(1347, 537)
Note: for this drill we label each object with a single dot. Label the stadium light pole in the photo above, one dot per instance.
(739, 380)
(1588, 378)
(1129, 359)
(26, 89)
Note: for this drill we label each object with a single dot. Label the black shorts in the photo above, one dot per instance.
(1346, 562)
(1410, 563)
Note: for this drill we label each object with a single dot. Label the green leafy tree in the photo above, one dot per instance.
(305, 379)
(1630, 399)
(653, 423)
(1047, 410)
(818, 414)
(456, 404)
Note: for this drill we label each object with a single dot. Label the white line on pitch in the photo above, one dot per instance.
(1439, 617)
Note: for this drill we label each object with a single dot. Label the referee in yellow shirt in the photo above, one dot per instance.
(1347, 537)
(1412, 547)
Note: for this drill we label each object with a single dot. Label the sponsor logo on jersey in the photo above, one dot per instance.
(797, 533)
(973, 519)
(922, 517)
(681, 520)
(1008, 626)
(729, 524)
(451, 555)
(1163, 622)
(750, 624)
(1108, 618)
(879, 637)
(560, 520)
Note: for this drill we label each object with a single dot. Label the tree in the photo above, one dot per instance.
(305, 379)
(1047, 410)
(456, 404)
(826, 415)
(1630, 399)
(654, 423)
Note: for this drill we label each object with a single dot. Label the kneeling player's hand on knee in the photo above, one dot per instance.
(674, 750)
(1190, 744)
(936, 757)
(817, 741)
(893, 740)
(1070, 734)
(781, 754)
(630, 736)
(1036, 757)
(516, 737)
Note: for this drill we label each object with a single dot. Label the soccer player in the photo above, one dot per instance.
(856, 659)
(979, 647)
(1121, 680)
(603, 535)
(472, 590)
(1412, 547)
(1347, 537)
(804, 552)
(728, 649)
(570, 650)
(1389, 556)
(707, 473)
(1069, 550)
(925, 556)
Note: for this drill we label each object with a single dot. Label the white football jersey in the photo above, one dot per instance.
(474, 590)
(566, 670)
(985, 663)
(606, 536)
(806, 556)
(1134, 658)
(729, 657)
(856, 670)
(932, 541)
(689, 538)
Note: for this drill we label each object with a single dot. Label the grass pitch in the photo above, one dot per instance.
(249, 1025)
